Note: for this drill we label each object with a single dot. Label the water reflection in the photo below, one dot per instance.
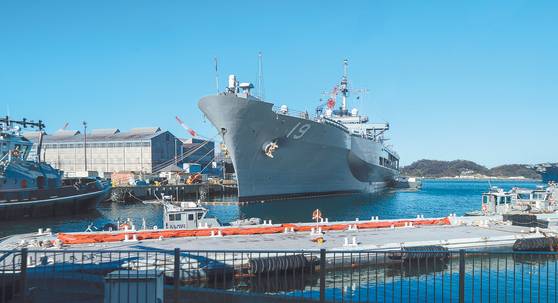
(436, 199)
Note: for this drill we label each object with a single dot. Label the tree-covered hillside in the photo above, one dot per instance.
(437, 169)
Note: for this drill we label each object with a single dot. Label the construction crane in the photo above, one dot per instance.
(65, 126)
(189, 130)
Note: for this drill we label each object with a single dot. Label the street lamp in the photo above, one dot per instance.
(85, 144)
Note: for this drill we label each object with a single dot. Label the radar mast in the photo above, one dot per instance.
(344, 86)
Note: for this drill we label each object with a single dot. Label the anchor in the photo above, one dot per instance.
(270, 147)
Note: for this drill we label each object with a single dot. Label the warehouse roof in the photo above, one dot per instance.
(99, 135)
(104, 131)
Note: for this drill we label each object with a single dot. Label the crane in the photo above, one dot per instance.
(189, 130)
(65, 126)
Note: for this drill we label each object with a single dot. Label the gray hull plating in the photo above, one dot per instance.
(311, 158)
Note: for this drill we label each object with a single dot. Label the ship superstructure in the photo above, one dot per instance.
(277, 152)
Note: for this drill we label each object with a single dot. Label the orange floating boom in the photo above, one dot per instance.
(99, 237)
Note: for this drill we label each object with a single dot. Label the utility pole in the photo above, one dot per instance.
(85, 144)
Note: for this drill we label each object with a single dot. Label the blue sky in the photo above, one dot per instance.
(456, 79)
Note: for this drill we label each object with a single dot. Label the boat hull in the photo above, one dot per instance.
(54, 207)
(311, 159)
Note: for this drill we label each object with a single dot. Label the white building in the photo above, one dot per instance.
(109, 150)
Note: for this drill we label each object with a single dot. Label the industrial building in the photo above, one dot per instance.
(199, 151)
(144, 150)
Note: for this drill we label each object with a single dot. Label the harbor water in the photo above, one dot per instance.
(437, 198)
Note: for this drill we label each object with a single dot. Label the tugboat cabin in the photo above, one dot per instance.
(496, 201)
(187, 215)
(538, 199)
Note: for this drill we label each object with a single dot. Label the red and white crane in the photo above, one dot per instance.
(189, 130)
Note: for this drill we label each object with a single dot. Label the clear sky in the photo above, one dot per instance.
(472, 80)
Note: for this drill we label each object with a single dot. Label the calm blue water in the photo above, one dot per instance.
(436, 199)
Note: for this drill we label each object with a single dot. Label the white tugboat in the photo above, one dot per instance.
(518, 201)
(30, 189)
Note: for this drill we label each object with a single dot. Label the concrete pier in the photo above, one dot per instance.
(182, 191)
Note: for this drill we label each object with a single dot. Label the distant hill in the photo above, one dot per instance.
(514, 170)
(464, 168)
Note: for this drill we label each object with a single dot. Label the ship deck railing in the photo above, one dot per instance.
(282, 275)
(294, 113)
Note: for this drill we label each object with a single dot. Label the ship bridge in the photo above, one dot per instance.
(357, 126)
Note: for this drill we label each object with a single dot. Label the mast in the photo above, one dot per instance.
(344, 86)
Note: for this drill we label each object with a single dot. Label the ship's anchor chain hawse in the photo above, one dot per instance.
(270, 147)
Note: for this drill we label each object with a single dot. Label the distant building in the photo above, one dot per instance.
(199, 151)
(110, 150)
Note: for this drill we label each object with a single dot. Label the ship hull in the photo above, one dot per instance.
(550, 174)
(311, 159)
(80, 203)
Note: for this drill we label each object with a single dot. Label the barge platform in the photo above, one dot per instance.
(462, 233)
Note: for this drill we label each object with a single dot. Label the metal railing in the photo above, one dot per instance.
(320, 275)
(294, 113)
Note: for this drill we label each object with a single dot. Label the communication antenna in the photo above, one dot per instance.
(261, 91)
(344, 88)
(216, 75)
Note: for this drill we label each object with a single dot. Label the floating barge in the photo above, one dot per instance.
(216, 250)
(451, 232)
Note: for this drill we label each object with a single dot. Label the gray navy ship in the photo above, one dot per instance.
(278, 153)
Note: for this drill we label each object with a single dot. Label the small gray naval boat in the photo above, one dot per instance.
(30, 189)
(279, 153)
